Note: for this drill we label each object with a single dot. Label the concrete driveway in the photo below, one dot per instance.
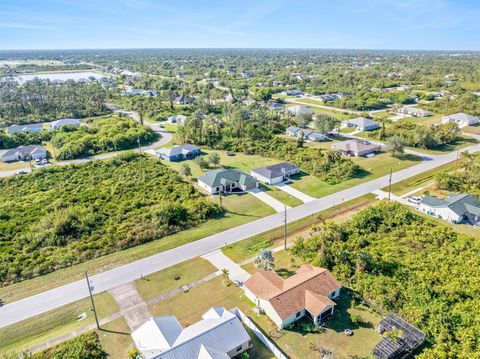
(305, 198)
(221, 261)
(268, 200)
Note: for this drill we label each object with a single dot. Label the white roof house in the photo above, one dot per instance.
(33, 127)
(219, 334)
(461, 119)
(297, 110)
(55, 125)
(360, 123)
(414, 111)
(177, 119)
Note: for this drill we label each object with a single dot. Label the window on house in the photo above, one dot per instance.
(298, 314)
(239, 348)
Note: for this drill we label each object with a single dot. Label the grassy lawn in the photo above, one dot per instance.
(249, 248)
(115, 338)
(282, 196)
(285, 264)
(425, 121)
(375, 167)
(13, 166)
(240, 209)
(419, 180)
(472, 129)
(165, 280)
(55, 323)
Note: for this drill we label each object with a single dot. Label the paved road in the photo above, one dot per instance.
(335, 109)
(57, 297)
(166, 137)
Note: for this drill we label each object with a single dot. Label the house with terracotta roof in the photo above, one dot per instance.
(309, 292)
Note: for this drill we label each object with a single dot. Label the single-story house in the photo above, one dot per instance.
(461, 119)
(360, 124)
(56, 125)
(185, 100)
(226, 180)
(297, 110)
(30, 128)
(308, 135)
(275, 106)
(356, 148)
(219, 335)
(414, 111)
(24, 152)
(139, 92)
(455, 208)
(315, 136)
(292, 131)
(180, 119)
(292, 93)
(308, 293)
(275, 173)
(179, 152)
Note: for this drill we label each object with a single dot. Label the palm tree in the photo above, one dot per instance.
(226, 279)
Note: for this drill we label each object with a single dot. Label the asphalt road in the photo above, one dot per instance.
(57, 297)
(166, 137)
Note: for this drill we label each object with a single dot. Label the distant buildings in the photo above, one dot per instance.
(461, 119)
(456, 208)
(356, 148)
(333, 96)
(180, 119)
(30, 128)
(308, 293)
(219, 335)
(292, 93)
(414, 111)
(308, 135)
(179, 152)
(360, 124)
(22, 153)
(138, 92)
(226, 180)
(56, 125)
(275, 173)
(185, 100)
(297, 110)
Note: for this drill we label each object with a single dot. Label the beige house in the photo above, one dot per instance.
(308, 293)
(356, 148)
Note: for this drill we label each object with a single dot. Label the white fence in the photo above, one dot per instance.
(263, 338)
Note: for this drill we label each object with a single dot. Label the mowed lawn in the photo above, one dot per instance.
(173, 277)
(374, 167)
(38, 330)
(239, 209)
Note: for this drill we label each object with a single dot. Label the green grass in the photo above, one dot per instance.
(375, 167)
(285, 264)
(13, 166)
(164, 280)
(115, 339)
(38, 330)
(248, 248)
(241, 208)
(282, 196)
(419, 180)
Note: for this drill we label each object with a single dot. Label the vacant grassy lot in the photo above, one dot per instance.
(374, 167)
(13, 166)
(240, 209)
(40, 329)
(472, 129)
(173, 277)
(249, 248)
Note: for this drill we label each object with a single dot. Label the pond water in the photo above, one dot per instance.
(75, 76)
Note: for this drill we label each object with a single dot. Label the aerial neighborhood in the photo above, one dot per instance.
(239, 203)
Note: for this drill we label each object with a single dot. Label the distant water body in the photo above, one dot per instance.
(75, 76)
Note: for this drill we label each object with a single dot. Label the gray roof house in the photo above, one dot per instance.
(292, 131)
(23, 152)
(32, 128)
(461, 119)
(226, 180)
(356, 148)
(179, 152)
(219, 335)
(315, 136)
(360, 124)
(275, 173)
(56, 125)
(455, 208)
(180, 119)
(297, 110)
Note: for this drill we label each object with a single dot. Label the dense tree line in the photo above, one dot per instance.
(59, 216)
(399, 261)
(21, 138)
(100, 135)
(465, 178)
(42, 101)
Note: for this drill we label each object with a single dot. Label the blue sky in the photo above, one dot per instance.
(371, 24)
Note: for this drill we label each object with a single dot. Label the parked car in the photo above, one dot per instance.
(415, 200)
(21, 172)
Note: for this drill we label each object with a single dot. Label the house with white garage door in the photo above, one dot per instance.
(226, 180)
(461, 119)
(275, 173)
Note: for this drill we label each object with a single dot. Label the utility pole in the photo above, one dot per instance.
(139, 147)
(285, 228)
(91, 299)
(390, 185)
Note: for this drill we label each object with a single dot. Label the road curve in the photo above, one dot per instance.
(60, 296)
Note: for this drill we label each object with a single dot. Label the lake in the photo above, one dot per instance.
(64, 76)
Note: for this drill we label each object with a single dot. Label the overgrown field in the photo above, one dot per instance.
(59, 216)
